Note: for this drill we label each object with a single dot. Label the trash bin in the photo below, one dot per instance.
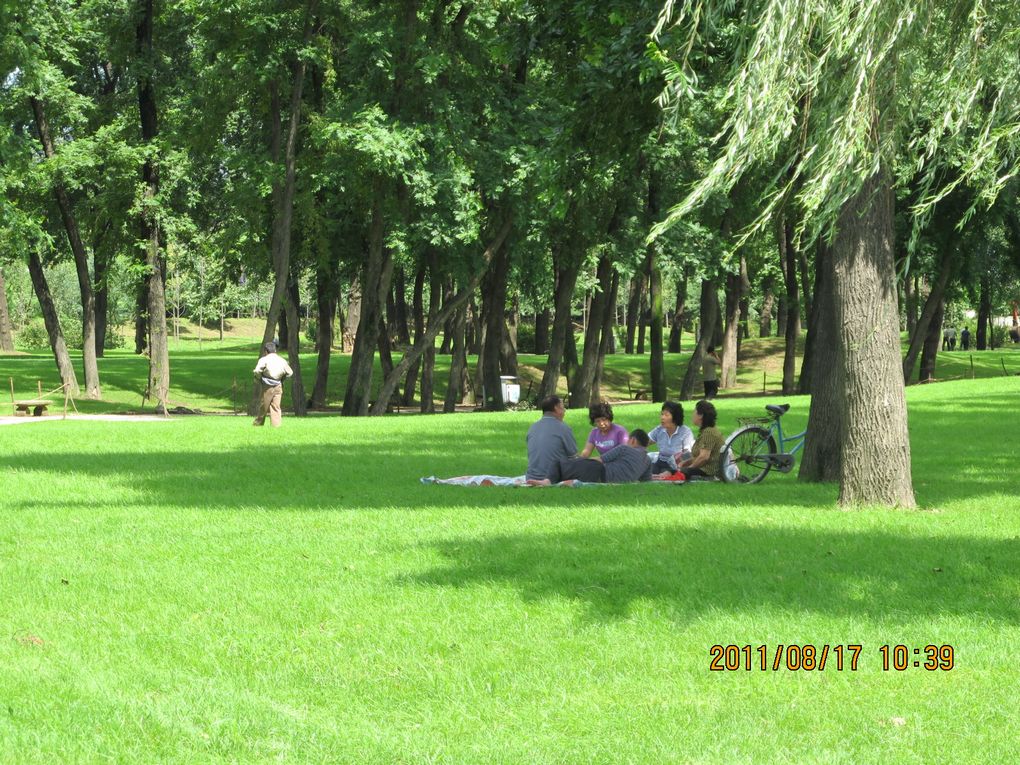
(511, 389)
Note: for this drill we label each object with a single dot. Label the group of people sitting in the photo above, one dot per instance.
(612, 455)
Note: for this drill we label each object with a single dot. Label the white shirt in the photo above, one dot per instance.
(273, 369)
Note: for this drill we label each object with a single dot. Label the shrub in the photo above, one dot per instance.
(525, 338)
(33, 335)
(114, 339)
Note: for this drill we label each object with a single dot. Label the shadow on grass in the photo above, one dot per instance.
(694, 570)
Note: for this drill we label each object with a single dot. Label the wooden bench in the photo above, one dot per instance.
(34, 406)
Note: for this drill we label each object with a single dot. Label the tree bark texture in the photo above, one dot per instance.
(50, 318)
(541, 332)
(100, 266)
(876, 464)
(767, 302)
(292, 308)
(418, 311)
(326, 297)
(822, 458)
(728, 372)
(788, 262)
(984, 316)
(932, 305)
(458, 382)
(81, 261)
(932, 343)
(428, 370)
(709, 309)
(676, 331)
(283, 194)
(637, 288)
(562, 325)
(6, 334)
(494, 290)
(158, 387)
(376, 284)
(608, 336)
(583, 389)
(656, 359)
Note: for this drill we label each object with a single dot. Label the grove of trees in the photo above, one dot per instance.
(501, 173)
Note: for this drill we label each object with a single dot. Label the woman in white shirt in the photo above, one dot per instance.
(673, 438)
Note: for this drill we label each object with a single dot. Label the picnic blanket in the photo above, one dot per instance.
(518, 481)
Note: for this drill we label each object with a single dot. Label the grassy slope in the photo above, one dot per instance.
(203, 591)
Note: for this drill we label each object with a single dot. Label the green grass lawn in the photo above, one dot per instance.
(199, 590)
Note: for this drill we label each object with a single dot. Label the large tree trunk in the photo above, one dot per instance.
(292, 307)
(823, 260)
(562, 325)
(767, 302)
(458, 382)
(728, 372)
(418, 316)
(6, 336)
(932, 305)
(876, 464)
(49, 312)
(805, 283)
(326, 297)
(932, 342)
(158, 386)
(910, 301)
(676, 331)
(984, 316)
(709, 309)
(428, 371)
(823, 447)
(788, 262)
(283, 193)
(637, 288)
(542, 332)
(656, 360)
(376, 278)
(608, 336)
(454, 304)
(100, 267)
(584, 385)
(352, 317)
(494, 291)
(81, 261)
(398, 318)
(745, 303)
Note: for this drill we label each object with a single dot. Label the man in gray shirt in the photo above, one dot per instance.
(625, 463)
(549, 440)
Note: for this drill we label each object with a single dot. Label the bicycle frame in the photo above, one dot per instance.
(776, 428)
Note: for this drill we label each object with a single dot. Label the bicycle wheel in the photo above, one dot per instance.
(745, 455)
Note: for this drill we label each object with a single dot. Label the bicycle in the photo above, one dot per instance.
(751, 451)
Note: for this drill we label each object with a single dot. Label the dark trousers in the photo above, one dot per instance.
(711, 388)
(589, 471)
(661, 466)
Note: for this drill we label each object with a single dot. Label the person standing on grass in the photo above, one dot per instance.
(965, 338)
(710, 372)
(673, 438)
(704, 459)
(626, 463)
(270, 373)
(549, 440)
(605, 435)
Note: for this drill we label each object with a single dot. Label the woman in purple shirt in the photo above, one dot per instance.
(605, 435)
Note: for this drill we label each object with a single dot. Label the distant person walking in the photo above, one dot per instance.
(952, 338)
(710, 372)
(945, 338)
(549, 440)
(270, 373)
(965, 338)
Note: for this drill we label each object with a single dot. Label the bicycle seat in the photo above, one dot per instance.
(778, 411)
